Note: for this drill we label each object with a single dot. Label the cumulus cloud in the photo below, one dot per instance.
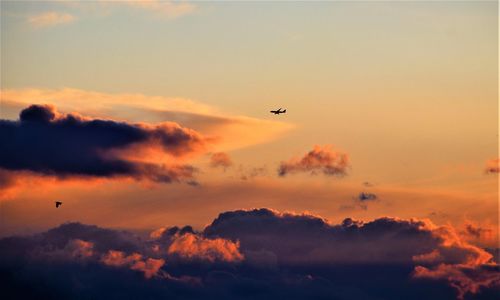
(259, 253)
(466, 267)
(47, 142)
(51, 18)
(321, 159)
(192, 246)
(134, 261)
(299, 238)
(493, 166)
(220, 160)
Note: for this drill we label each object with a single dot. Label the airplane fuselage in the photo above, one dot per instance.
(279, 111)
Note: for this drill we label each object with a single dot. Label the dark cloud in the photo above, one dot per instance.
(49, 143)
(251, 254)
(367, 197)
(360, 201)
(220, 160)
(321, 159)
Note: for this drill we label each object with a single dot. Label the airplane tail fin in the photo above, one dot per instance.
(284, 111)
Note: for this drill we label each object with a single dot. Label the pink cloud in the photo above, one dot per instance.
(220, 160)
(322, 159)
(192, 246)
(135, 261)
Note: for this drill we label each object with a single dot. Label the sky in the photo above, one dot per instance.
(152, 114)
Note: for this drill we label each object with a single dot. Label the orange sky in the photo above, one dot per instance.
(409, 93)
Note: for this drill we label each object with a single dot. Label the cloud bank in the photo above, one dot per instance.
(259, 253)
(47, 142)
(232, 131)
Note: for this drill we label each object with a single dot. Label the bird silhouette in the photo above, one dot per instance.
(58, 203)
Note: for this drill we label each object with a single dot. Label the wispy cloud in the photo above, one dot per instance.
(233, 131)
(220, 159)
(168, 9)
(321, 159)
(51, 18)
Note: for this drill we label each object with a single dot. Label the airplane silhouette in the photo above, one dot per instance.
(58, 203)
(279, 111)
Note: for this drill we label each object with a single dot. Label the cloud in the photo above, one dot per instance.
(149, 266)
(80, 248)
(300, 238)
(476, 231)
(466, 279)
(321, 159)
(7, 183)
(51, 18)
(49, 143)
(163, 9)
(253, 172)
(367, 197)
(360, 201)
(258, 253)
(168, 9)
(220, 160)
(493, 166)
(192, 246)
(304, 238)
(232, 131)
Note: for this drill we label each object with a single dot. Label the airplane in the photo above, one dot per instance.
(58, 203)
(279, 111)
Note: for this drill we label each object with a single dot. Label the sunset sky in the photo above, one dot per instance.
(392, 111)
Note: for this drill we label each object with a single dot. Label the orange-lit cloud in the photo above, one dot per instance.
(51, 18)
(321, 159)
(466, 267)
(134, 261)
(232, 131)
(195, 247)
(168, 9)
(49, 143)
(278, 241)
(220, 160)
(80, 249)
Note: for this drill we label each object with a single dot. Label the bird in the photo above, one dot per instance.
(58, 203)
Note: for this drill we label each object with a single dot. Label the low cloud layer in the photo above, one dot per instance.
(322, 159)
(258, 253)
(47, 142)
